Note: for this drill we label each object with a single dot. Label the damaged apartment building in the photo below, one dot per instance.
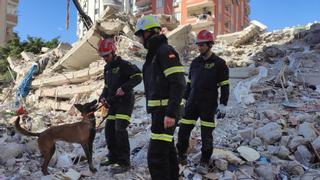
(218, 16)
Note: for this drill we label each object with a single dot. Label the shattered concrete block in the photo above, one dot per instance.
(255, 142)
(73, 77)
(295, 142)
(316, 144)
(270, 133)
(82, 53)
(69, 91)
(225, 154)
(307, 131)
(303, 155)
(243, 72)
(72, 174)
(168, 21)
(248, 153)
(28, 56)
(179, 37)
(221, 164)
(9, 151)
(265, 172)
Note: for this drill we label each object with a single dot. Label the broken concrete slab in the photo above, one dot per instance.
(73, 77)
(179, 37)
(69, 91)
(168, 21)
(225, 154)
(307, 131)
(242, 72)
(55, 105)
(248, 154)
(270, 133)
(82, 53)
(254, 29)
(28, 56)
(241, 37)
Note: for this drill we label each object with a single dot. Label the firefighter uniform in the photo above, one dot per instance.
(119, 73)
(205, 77)
(164, 83)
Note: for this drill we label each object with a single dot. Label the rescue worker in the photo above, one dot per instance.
(207, 73)
(120, 78)
(163, 77)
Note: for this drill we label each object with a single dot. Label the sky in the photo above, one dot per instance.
(47, 18)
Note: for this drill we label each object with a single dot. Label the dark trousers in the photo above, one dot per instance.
(192, 112)
(116, 133)
(162, 156)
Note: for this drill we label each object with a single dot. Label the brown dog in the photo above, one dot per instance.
(82, 132)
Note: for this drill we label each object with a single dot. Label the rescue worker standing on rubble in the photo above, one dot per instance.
(207, 73)
(164, 82)
(120, 78)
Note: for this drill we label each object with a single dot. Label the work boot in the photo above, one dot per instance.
(118, 169)
(107, 162)
(203, 168)
(182, 159)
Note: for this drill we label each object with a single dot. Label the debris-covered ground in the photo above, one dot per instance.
(271, 130)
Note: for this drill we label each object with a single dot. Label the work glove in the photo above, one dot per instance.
(221, 111)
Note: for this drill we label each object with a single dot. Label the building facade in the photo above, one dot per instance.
(145, 7)
(94, 8)
(218, 16)
(8, 19)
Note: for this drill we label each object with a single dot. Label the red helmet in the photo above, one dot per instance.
(204, 36)
(106, 46)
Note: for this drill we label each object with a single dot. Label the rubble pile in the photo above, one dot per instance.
(272, 126)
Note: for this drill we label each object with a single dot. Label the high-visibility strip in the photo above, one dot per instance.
(111, 117)
(162, 137)
(155, 103)
(222, 83)
(137, 74)
(207, 124)
(123, 116)
(188, 121)
(172, 70)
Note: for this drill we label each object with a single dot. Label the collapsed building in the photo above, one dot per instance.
(272, 126)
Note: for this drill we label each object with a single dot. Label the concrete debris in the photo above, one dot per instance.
(281, 135)
(270, 133)
(227, 155)
(248, 153)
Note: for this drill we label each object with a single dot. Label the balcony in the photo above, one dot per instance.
(145, 12)
(200, 22)
(140, 3)
(199, 4)
(12, 19)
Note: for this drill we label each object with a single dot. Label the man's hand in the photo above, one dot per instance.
(221, 111)
(168, 122)
(119, 92)
(104, 102)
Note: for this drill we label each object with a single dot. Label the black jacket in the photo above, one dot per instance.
(120, 73)
(163, 77)
(205, 77)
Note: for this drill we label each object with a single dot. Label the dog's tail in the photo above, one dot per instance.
(23, 131)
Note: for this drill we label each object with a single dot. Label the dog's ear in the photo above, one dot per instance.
(79, 107)
(94, 102)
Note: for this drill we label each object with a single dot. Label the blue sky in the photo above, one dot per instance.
(46, 18)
